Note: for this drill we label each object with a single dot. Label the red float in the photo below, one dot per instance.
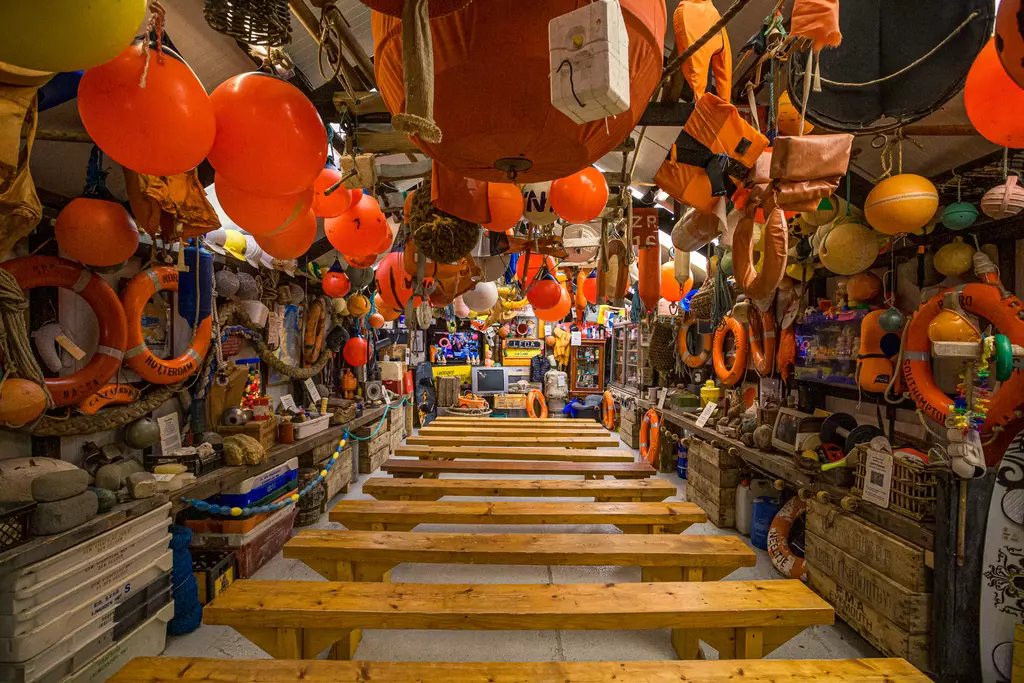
(1009, 41)
(581, 197)
(361, 230)
(506, 204)
(545, 294)
(336, 203)
(377, 321)
(993, 101)
(528, 267)
(336, 285)
(96, 232)
(260, 213)
(293, 241)
(356, 352)
(590, 288)
(557, 312)
(393, 284)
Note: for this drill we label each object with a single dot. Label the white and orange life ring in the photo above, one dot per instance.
(987, 301)
(139, 358)
(50, 271)
(535, 397)
(730, 375)
(608, 411)
(762, 341)
(650, 435)
(760, 286)
(693, 360)
(778, 540)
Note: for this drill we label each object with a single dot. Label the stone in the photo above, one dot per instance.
(107, 499)
(59, 485)
(206, 449)
(241, 449)
(109, 477)
(61, 515)
(763, 437)
(16, 475)
(130, 466)
(142, 485)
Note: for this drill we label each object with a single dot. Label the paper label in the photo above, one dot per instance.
(289, 403)
(170, 433)
(547, 329)
(705, 414)
(273, 329)
(576, 338)
(877, 477)
(661, 398)
(314, 395)
(71, 347)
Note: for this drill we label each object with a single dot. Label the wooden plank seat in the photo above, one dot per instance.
(601, 490)
(485, 453)
(550, 423)
(370, 555)
(400, 467)
(513, 431)
(525, 440)
(299, 619)
(198, 670)
(405, 515)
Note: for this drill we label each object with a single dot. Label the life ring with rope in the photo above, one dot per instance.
(762, 341)
(650, 435)
(608, 411)
(51, 271)
(533, 398)
(693, 360)
(139, 358)
(779, 549)
(726, 374)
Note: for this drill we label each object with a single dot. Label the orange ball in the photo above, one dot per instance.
(581, 197)
(550, 341)
(21, 401)
(334, 204)
(269, 136)
(260, 213)
(293, 241)
(506, 204)
(335, 285)
(993, 101)
(1009, 41)
(670, 289)
(359, 231)
(386, 311)
(863, 287)
(166, 128)
(393, 284)
(377, 321)
(361, 261)
(557, 312)
(96, 232)
(529, 267)
(545, 293)
(356, 352)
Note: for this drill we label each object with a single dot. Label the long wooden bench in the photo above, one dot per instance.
(405, 515)
(526, 440)
(513, 431)
(550, 423)
(370, 555)
(197, 670)
(400, 467)
(601, 490)
(299, 619)
(485, 453)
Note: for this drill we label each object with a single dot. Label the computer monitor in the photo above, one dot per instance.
(490, 381)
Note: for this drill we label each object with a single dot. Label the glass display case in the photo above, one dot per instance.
(586, 371)
(827, 347)
(627, 357)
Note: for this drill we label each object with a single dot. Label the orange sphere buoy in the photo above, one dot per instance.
(21, 401)
(260, 213)
(361, 261)
(358, 305)
(291, 242)
(581, 197)
(590, 287)
(557, 312)
(393, 284)
(506, 204)
(386, 311)
(545, 293)
(335, 203)
(356, 352)
(96, 232)
(863, 287)
(1008, 41)
(377, 321)
(269, 136)
(529, 267)
(359, 231)
(993, 100)
(164, 128)
(671, 290)
(335, 284)
(550, 341)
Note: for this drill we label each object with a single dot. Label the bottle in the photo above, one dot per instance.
(682, 459)
(744, 507)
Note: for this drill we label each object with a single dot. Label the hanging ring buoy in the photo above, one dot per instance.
(608, 411)
(533, 398)
(986, 301)
(693, 360)
(50, 271)
(730, 375)
(762, 342)
(139, 358)
(761, 286)
(778, 540)
(650, 435)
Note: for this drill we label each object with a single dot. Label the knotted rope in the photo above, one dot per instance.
(418, 67)
(18, 359)
(247, 331)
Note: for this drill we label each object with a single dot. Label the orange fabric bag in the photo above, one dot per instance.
(687, 184)
(817, 20)
(717, 124)
(691, 19)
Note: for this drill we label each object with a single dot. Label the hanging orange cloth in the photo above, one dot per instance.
(717, 124)
(458, 195)
(817, 20)
(690, 21)
(159, 202)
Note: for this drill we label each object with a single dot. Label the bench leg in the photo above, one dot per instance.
(298, 643)
(738, 643)
(686, 643)
(749, 643)
(367, 572)
(344, 648)
(653, 574)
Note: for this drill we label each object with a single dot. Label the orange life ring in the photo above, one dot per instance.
(762, 329)
(693, 360)
(650, 434)
(608, 411)
(730, 375)
(986, 301)
(535, 396)
(139, 358)
(778, 540)
(50, 271)
(760, 286)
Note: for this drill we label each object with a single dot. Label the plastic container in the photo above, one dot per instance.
(744, 507)
(709, 392)
(682, 460)
(311, 427)
(147, 640)
(764, 510)
(252, 489)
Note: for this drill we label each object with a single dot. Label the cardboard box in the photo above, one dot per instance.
(393, 371)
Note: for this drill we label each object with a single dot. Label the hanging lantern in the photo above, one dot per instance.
(291, 242)
(993, 101)
(259, 213)
(253, 22)
(581, 197)
(336, 203)
(96, 232)
(506, 204)
(360, 230)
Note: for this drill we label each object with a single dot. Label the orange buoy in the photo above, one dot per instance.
(993, 100)
(291, 242)
(671, 290)
(506, 204)
(559, 311)
(590, 287)
(545, 293)
(260, 213)
(21, 401)
(377, 321)
(649, 269)
(529, 266)
(356, 352)
(360, 230)
(393, 284)
(335, 285)
(581, 197)
(96, 232)
(335, 203)
(1009, 41)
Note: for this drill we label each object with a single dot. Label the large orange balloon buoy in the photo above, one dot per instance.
(558, 311)
(499, 53)
(545, 293)
(671, 290)
(1009, 41)
(260, 213)
(269, 136)
(291, 242)
(581, 197)
(96, 232)
(393, 284)
(333, 204)
(993, 100)
(528, 268)
(165, 127)
(356, 352)
(506, 204)
(359, 231)
(386, 311)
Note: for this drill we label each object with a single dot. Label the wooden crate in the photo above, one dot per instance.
(340, 475)
(510, 402)
(629, 427)
(374, 452)
(722, 478)
(396, 441)
(410, 419)
(719, 503)
(713, 455)
(264, 431)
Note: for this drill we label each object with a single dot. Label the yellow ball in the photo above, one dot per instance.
(342, 443)
(236, 512)
(789, 117)
(902, 203)
(323, 473)
(334, 457)
(295, 498)
(358, 305)
(801, 272)
(848, 248)
(955, 258)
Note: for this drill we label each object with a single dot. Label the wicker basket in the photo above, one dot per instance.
(255, 22)
(913, 490)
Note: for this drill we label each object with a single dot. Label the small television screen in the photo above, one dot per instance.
(489, 381)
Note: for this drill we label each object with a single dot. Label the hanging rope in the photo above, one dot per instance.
(111, 418)
(14, 341)
(247, 331)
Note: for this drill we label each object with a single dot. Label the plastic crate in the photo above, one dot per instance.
(311, 427)
(14, 526)
(248, 492)
(214, 571)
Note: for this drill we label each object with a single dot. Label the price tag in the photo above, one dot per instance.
(274, 329)
(877, 478)
(170, 433)
(705, 414)
(71, 347)
(576, 338)
(289, 403)
(661, 398)
(314, 395)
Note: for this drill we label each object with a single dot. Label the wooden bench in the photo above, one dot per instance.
(370, 555)
(590, 470)
(526, 440)
(405, 515)
(197, 670)
(484, 453)
(601, 490)
(551, 423)
(513, 431)
(299, 619)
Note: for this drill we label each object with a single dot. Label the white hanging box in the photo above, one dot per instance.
(589, 50)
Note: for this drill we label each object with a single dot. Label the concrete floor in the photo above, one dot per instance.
(818, 642)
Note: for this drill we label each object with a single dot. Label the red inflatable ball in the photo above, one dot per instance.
(361, 261)
(164, 128)
(356, 352)
(590, 288)
(671, 290)
(557, 312)
(506, 204)
(377, 321)
(333, 204)
(393, 284)
(581, 197)
(993, 101)
(96, 232)
(260, 213)
(291, 242)
(336, 285)
(359, 231)
(528, 268)
(545, 294)
(269, 136)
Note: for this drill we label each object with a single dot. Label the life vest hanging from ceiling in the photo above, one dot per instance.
(691, 19)
(497, 51)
